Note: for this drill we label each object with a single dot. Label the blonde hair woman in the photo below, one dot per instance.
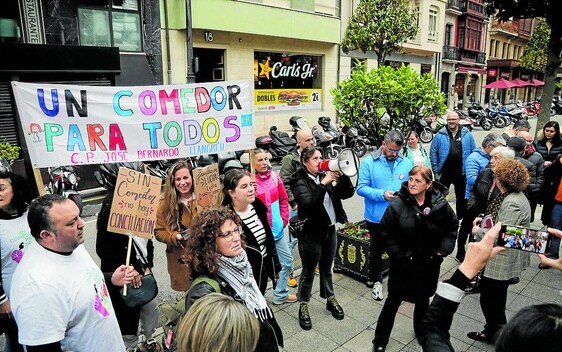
(176, 210)
(217, 322)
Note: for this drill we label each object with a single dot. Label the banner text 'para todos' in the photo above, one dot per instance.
(73, 125)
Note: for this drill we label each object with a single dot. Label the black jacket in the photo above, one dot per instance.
(310, 199)
(479, 197)
(552, 175)
(270, 332)
(416, 239)
(540, 147)
(112, 250)
(533, 188)
(268, 266)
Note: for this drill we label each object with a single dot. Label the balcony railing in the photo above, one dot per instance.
(451, 53)
(453, 4)
(481, 58)
(472, 8)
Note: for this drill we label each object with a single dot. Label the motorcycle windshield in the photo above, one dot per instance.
(302, 124)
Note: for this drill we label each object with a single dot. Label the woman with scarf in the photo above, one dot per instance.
(176, 210)
(240, 196)
(419, 229)
(271, 191)
(216, 255)
(510, 207)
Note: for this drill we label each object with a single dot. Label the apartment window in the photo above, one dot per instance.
(448, 34)
(492, 52)
(110, 23)
(432, 32)
(496, 49)
(504, 51)
(473, 34)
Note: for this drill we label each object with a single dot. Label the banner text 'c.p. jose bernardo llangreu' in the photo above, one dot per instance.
(74, 125)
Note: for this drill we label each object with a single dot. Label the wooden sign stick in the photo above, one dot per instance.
(128, 261)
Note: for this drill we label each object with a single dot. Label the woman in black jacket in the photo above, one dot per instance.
(215, 251)
(240, 196)
(550, 145)
(419, 229)
(112, 250)
(318, 196)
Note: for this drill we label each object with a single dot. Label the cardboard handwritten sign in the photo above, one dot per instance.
(207, 185)
(135, 201)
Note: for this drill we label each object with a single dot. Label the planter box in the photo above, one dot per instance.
(352, 257)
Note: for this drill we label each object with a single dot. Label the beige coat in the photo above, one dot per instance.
(179, 273)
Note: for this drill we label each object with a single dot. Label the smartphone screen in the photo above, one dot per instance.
(523, 238)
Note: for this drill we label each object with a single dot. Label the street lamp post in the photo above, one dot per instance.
(189, 39)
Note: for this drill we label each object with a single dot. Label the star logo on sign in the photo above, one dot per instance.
(265, 69)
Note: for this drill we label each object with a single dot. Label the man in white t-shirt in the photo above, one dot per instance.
(59, 296)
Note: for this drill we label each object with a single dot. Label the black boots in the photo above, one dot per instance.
(304, 317)
(333, 306)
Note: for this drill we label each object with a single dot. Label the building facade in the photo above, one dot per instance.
(464, 52)
(288, 48)
(507, 42)
(423, 53)
(85, 42)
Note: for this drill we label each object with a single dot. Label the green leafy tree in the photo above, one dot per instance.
(380, 26)
(386, 98)
(549, 10)
(534, 56)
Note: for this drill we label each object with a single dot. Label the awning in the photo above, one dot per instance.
(473, 70)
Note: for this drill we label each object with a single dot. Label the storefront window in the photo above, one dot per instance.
(110, 23)
(94, 27)
(285, 81)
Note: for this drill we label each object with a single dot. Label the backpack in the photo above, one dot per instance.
(172, 314)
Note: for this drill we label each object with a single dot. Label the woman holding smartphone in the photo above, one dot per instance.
(510, 207)
(176, 211)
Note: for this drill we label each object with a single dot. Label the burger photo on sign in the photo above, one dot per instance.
(282, 97)
(293, 98)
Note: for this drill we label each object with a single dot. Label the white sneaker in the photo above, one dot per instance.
(377, 291)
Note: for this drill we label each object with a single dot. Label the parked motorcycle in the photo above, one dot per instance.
(327, 137)
(365, 135)
(498, 120)
(477, 113)
(354, 141)
(481, 120)
(557, 105)
(277, 143)
(63, 181)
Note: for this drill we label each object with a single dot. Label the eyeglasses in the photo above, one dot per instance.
(229, 234)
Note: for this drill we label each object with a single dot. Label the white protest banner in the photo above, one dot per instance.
(73, 125)
(134, 205)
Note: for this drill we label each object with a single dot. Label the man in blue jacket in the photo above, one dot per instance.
(449, 150)
(380, 176)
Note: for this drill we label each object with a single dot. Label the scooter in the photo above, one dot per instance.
(326, 140)
(63, 181)
(354, 141)
(277, 143)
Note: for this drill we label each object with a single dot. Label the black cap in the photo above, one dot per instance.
(517, 143)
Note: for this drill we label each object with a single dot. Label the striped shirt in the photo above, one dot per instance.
(251, 219)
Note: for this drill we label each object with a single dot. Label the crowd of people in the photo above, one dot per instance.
(224, 258)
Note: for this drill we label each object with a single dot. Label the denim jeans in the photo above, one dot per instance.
(286, 260)
(317, 248)
(293, 242)
(556, 222)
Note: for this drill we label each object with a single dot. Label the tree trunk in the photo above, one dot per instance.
(554, 48)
